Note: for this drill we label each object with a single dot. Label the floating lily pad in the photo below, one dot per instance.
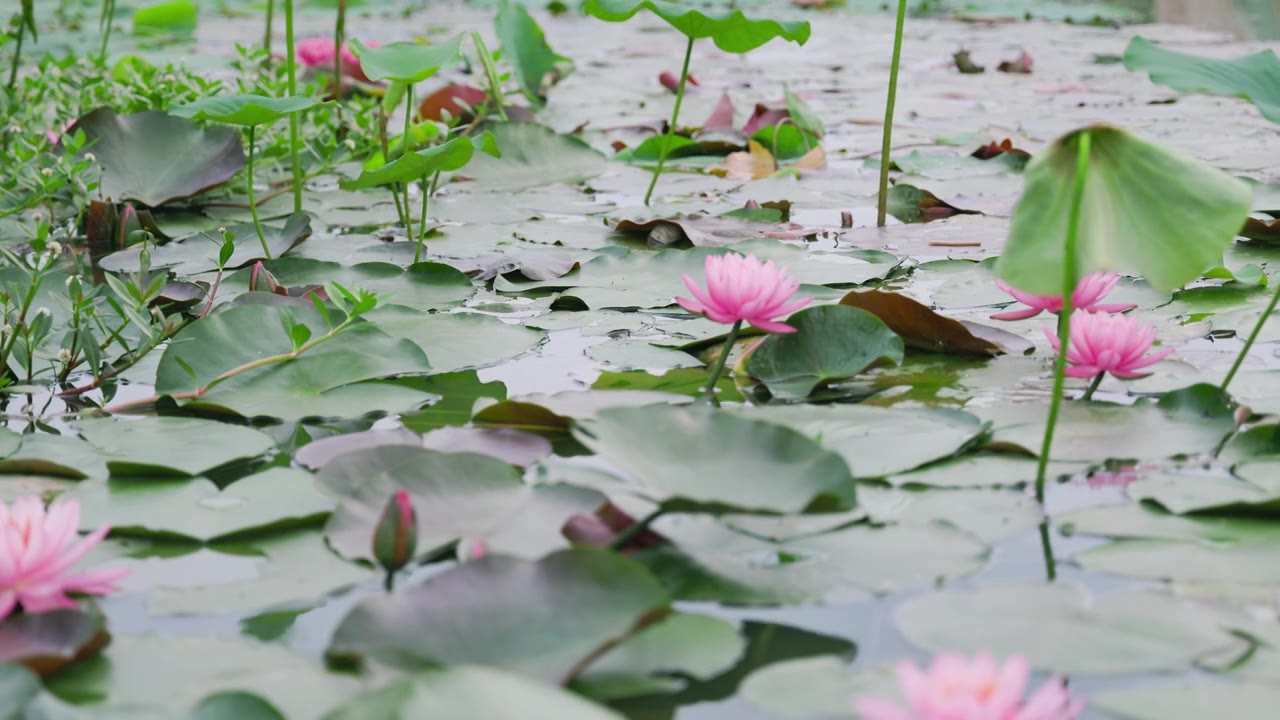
(696, 457)
(817, 688)
(171, 445)
(457, 341)
(539, 619)
(664, 657)
(47, 642)
(533, 156)
(137, 151)
(1248, 701)
(1058, 628)
(831, 342)
(473, 692)
(199, 253)
(196, 509)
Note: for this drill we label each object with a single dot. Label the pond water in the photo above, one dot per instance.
(1148, 576)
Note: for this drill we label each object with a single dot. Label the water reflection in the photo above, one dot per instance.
(1253, 19)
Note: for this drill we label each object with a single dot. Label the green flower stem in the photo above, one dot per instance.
(266, 34)
(405, 149)
(339, 37)
(1097, 380)
(490, 72)
(1253, 336)
(671, 128)
(633, 531)
(291, 65)
(253, 204)
(718, 368)
(17, 58)
(427, 190)
(1046, 547)
(882, 209)
(104, 27)
(1069, 281)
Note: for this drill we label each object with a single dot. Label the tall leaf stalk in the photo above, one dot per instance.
(882, 209)
(1069, 280)
(1253, 336)
(291, 65)
(671, 128)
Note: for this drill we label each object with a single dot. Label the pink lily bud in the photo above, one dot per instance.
(396, 536)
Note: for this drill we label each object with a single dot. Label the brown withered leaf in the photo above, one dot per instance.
(911, 204)
(1261, 231)
(1020, 65)
(815, 159)
(996, 149)
(755, 164)
(923, 329)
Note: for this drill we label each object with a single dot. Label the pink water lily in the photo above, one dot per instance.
(320, 53)
(1088, 295)
(744, 289)
(1102, 343)
(37, 553)
(956, 688)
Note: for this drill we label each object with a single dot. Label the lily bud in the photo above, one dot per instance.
(396, 536)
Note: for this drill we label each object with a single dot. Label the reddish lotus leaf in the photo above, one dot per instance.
(47, 642)
(457, 100)
(721, 118)
(764, 116)
(1020, 65)
(921, 327)
(996, 149)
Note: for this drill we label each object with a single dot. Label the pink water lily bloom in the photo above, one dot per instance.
(37, 552)
(956, 688)
(320, 53)
(1088, 295)
(742, 288)
(1102, 342)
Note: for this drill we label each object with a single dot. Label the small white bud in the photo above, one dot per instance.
(47, 172)
(170, 78)
(15, 129)
(91, 157)
(222, 230)
(42, 310)
(6, 329)
(351, 144)
(53, 247)
(64, 355)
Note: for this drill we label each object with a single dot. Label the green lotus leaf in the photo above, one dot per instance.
(406, 62)
(1146, 210)
(1255, 78)
(245, 110)
(448, 156)
(731, 31)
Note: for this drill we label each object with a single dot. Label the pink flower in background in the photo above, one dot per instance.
(1101, 342)
(37, 552)
(53, 136)
(319, 53)
(744, 289)
(956, 688)
(1088, 295)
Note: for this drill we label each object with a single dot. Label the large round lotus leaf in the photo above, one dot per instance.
(445, 157)
(526, 48)
(406, 62)
(235, 705)
(980, 470)
(1094, 432)
(198, 253)
(731, 31)
(457, 341)
(1252, 77)
(329, 380)
(1255, 487)
(713, 561)
(1146, 211)
(124, 678)
(990, 515)
(831, 342)
(1058, 628)
(662, 657)
(1245, 701)
(289, 568)
(137, 153)
(471, 692)
(534, 155)
(877, 441)
(171, 445)
(456, 495)
(816, 688)
(703, 457)
(246, 110)
(425, 286)
(540, 619)
(196, 509)
(1155, 544)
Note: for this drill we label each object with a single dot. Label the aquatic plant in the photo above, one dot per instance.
(731, 31)
(891, 99)
(396, 536)
(954, 687)
(742, 289)
(38, 553)
(1104, 343)
(1088, 295)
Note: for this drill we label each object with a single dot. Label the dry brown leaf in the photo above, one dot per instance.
(754, 164)
(815, 159)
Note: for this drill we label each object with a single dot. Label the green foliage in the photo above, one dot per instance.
(731, 31)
